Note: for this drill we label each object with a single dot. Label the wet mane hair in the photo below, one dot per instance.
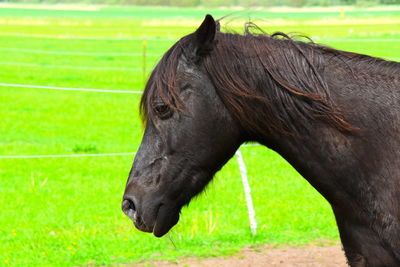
(268, 82)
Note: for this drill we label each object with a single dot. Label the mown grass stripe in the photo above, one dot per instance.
(368, 40)
(125, 38)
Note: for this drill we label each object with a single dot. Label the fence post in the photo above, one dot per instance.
(247, 192)
(144, 60)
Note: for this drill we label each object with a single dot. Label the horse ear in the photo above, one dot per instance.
(204, 36)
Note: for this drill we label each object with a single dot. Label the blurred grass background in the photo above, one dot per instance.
(66, 211)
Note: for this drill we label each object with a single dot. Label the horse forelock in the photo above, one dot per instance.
(162, 83)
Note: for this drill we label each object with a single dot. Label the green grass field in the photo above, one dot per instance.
(66, 211)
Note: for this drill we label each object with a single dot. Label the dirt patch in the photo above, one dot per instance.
(310, 256)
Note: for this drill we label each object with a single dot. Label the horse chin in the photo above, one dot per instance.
(167, 217)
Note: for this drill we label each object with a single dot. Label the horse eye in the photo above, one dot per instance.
(162, 110)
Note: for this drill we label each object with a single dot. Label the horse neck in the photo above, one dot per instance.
(368, 93)
(356, 172)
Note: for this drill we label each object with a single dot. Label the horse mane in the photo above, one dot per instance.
(268, 82)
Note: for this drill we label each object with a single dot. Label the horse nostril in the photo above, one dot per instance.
(128, 207)
(132, 205)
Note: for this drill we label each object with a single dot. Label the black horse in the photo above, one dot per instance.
(333, 115)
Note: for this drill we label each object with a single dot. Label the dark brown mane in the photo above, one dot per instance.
(261, 78)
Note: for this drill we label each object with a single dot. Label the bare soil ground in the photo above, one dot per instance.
(310, 256)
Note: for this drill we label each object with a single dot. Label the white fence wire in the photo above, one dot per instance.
(239, 157)
(69, 89)
(82, 155)
(242, 167)
(94, 38)
(75, 53)
(51, 66)
(66, 155)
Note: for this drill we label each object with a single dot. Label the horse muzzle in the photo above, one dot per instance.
(130, 210)
(158, 219)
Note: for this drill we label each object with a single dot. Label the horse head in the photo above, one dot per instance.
(189, 135)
